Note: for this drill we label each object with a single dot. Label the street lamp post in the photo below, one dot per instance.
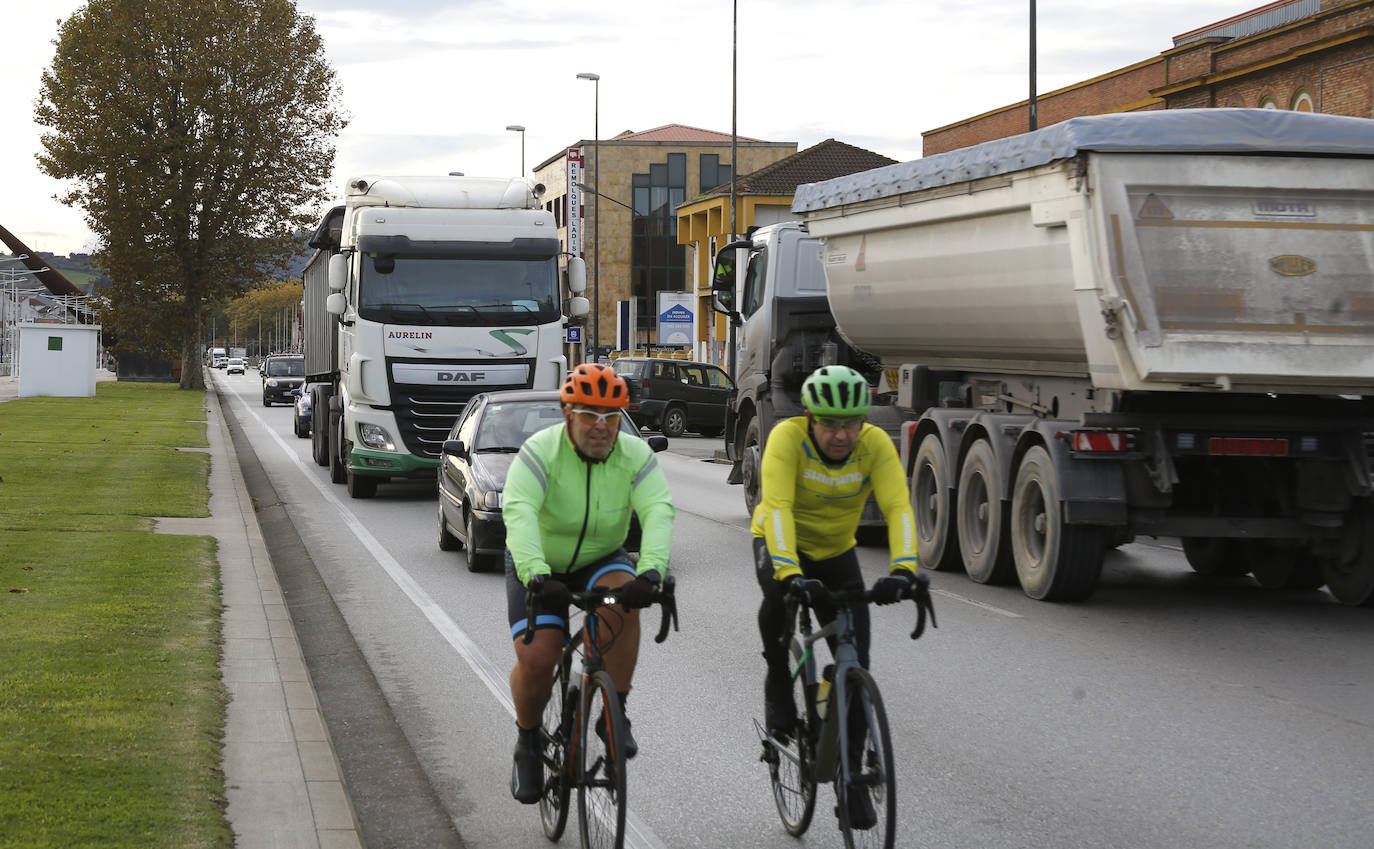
(521, 130)
(596, 212)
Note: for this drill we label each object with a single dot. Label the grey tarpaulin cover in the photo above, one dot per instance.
(1264, 131)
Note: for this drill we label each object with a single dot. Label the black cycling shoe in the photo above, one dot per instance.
(527, 773)
(779, 708)
(629, 743)
(862, 817)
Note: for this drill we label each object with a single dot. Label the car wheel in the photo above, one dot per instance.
(447, 541)
(674, 421)
(475, 561)
(265, 402)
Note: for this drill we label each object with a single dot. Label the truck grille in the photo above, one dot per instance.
(425, 414)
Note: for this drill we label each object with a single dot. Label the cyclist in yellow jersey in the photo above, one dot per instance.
(818, 470)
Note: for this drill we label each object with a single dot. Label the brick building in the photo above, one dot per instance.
(644, 177)
(1307, 55)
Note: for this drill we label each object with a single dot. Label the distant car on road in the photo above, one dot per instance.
(234, 366)
(676, 395)
(219, 362)
(281, 374)
(476, 457)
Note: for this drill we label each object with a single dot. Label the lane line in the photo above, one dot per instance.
(982, 604)
(637, 834)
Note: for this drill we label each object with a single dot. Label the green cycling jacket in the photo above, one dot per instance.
(562, 512)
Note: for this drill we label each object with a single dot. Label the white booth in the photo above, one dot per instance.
(58, 359)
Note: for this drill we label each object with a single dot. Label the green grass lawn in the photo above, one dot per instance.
(111, 705)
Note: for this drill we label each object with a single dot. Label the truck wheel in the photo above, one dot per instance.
(1350, 575)
(937, 537)
(751, 459)
(674, 421)
(338, 467)
(1216, 557)
(1055, 561)
(1281, 565)
(319, 426)
(361, 486)
(982, 538)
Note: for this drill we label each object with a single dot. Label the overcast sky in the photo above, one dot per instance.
(431, 84)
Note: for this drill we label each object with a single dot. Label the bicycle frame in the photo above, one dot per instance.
(833, 735)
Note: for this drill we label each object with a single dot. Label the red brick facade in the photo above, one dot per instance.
(1323, 62)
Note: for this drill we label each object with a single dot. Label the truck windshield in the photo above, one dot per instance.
(461, 291)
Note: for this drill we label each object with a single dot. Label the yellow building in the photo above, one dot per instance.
(762, 197)
(644, 177)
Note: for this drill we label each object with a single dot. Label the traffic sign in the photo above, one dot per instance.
(572, 335)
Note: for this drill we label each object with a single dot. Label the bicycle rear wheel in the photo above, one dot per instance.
(601, 767)
(868, 802)
(791, 766)
(558, 770)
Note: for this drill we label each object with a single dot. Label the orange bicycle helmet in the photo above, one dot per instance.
(597, 385)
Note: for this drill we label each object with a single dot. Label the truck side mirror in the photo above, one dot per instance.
(338, 272)
(579, 306)
(335, 304)
(577, 275)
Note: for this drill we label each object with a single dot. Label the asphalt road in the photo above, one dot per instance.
(1168, 711)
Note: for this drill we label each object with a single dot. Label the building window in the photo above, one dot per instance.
(712, 172)
(1267, 102)
(1302, 102)
(657, 261)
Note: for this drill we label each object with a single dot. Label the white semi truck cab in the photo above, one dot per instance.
(426, 291)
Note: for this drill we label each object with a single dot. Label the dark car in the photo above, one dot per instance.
(476, 457)
(676, 395)
(281, 374)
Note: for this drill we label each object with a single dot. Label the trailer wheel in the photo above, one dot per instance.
(338, 468)
(982, 537)
(1055, 561)
(1216, 557)
(1281, 565)
(319, 425)
(751, 459)
(936, 535)
(1350, 575)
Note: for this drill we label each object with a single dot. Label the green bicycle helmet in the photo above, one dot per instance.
(836, 391)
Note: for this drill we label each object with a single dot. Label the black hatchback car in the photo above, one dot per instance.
(476, 457)
(281, 374)
(674, 396)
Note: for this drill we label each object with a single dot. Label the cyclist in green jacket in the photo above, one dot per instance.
(567, 505)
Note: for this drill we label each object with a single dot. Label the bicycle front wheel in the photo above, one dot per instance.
(791, 766)
(868, 801)
(601, 770)
(558, 769)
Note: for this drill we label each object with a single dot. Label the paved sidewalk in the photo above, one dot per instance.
(284, 786)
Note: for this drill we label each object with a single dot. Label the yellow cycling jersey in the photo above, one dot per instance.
(812, 506)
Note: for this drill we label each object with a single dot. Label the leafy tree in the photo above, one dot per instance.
(264, 305)
(198, 137)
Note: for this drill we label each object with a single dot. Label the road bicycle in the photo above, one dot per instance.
(854, 755)
(584, 725)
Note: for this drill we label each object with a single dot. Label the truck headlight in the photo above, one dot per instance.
(375, 436)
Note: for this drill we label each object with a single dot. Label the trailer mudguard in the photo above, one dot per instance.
(1094, 491)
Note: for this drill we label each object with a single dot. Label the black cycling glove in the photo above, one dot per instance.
(892, 588)
(553, 594)
(640, 592)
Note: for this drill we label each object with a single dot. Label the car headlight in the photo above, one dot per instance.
(490, 499)
(271, 381)
(375, 436)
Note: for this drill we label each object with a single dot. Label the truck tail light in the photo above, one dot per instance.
(1103, 441)
(1243, 446)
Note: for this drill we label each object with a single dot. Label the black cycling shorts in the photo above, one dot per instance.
(578, 581)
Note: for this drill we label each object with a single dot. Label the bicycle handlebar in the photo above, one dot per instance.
(806, 591)
(665, 596)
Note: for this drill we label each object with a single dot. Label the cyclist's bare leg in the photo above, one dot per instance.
(619, 637)
(532, 676)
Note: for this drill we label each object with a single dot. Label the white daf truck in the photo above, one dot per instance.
(423, 292)
(1155, 323)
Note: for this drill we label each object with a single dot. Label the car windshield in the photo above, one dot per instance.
(506, 425)
(286, 368)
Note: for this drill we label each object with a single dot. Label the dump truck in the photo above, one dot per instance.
(1156, 323)
(423, 292)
